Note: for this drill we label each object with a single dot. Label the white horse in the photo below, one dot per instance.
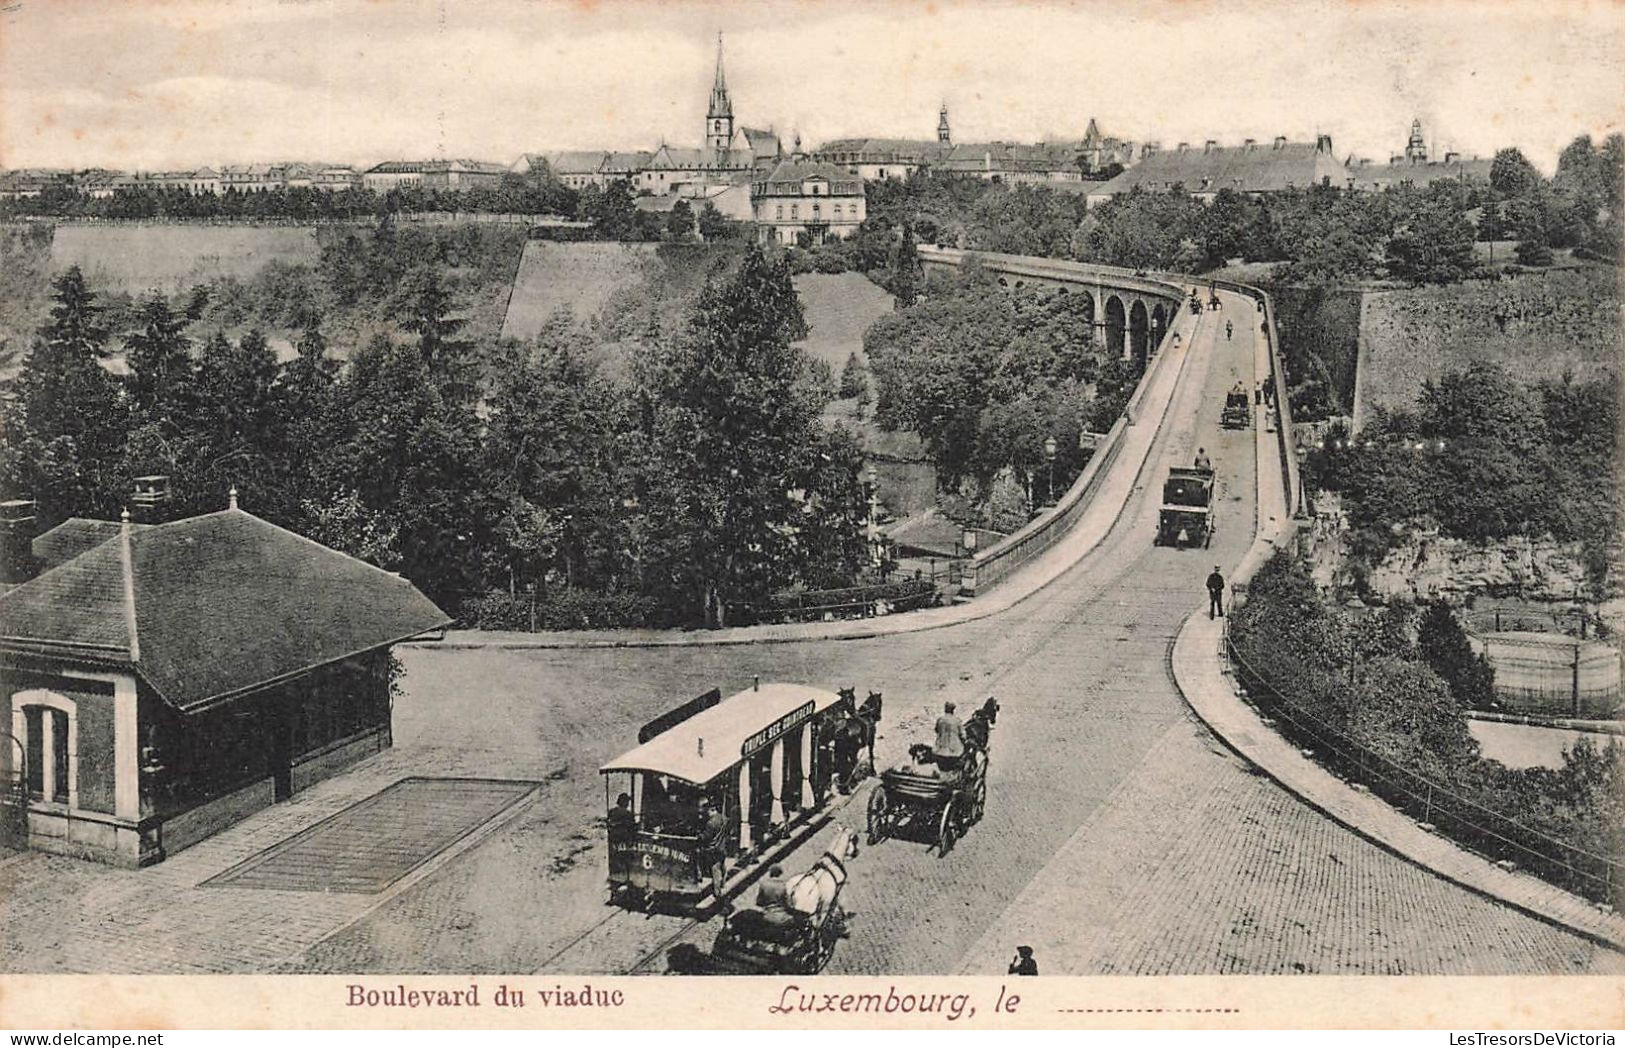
(813, 893)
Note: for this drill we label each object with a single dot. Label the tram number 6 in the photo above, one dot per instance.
(648, 861)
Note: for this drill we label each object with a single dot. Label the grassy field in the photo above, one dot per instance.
(839, 308)
(135, 259)
(578, 277)
(1536, 325)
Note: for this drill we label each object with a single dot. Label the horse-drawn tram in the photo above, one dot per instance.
(726, 783)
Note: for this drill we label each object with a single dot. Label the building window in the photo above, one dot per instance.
(815, 211)
(795, 210)
(778, 212)
(50, 733)
(837, 212)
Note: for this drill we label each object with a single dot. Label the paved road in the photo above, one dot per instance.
(1160, 852)
(1120, 836)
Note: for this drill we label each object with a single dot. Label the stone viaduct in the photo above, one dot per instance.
(1131, 312)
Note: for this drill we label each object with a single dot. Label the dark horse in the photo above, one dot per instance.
(979, 728)
(856, 733)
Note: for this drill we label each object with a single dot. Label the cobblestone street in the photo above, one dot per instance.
(1120, 837)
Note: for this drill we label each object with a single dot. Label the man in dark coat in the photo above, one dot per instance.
(713, 848)
(1024, 963)
(1215, 594)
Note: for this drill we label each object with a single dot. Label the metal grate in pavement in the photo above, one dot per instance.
(371, 844)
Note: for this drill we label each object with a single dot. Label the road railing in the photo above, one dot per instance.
(1435, 804)
(1009, 554)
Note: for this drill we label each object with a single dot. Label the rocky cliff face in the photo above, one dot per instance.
(1430, 566)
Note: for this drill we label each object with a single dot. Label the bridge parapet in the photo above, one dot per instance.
(1049, 527)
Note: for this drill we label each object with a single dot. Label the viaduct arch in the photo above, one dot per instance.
(1131, 313)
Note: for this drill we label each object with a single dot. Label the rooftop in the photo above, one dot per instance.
(206, 608)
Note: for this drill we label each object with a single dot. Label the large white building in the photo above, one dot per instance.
(801, 201)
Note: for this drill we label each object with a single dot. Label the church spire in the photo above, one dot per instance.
(719, 116)
(943, 134)
(721, 105)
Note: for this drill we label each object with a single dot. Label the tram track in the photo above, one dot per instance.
(1056, 608)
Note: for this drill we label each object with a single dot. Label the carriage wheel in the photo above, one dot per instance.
(981, 798)
(948, 827)
(877, 815)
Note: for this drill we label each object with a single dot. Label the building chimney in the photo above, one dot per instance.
(1323, 143)
(1183, 147)
(17, 529)
(1452, 158)
(1209, 146)
(150, 502)
(1280, 141)
(1250, 143)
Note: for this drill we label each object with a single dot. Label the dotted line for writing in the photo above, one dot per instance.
(1149, 1011)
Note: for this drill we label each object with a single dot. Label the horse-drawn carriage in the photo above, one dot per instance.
(938, 804)
(799, 936)
(766, 763)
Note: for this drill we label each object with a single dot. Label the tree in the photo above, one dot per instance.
(161, 367)
(1443, 645)
(854, 377)
(736, 431)
(906, 276)
(1512, 175)
(1433, 246)
(65, 421)
(613, 212)
(680, 223)
(712, 225)
(427, 309)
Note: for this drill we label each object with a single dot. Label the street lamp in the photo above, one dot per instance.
(1049, 459)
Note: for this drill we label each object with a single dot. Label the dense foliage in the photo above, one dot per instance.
(985, 374)
(514, 194)
(702, 479)
(1371, 680)
(1485, 457)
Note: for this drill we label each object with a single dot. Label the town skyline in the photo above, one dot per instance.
(360, 74)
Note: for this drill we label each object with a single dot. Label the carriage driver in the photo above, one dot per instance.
(773, 897)
(949, 749)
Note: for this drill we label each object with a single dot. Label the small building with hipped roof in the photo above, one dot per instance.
(164, 679)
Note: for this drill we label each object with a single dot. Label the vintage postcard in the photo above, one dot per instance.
(897, 515)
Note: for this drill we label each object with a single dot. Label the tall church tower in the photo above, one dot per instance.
(943, 134)
(719, 118)
(1416, 151)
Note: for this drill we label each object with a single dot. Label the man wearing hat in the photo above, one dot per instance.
(1215, 594)
(1024, 963)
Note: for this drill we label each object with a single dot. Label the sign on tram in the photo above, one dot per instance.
(762, 739)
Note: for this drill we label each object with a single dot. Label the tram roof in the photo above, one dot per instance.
(712, 741)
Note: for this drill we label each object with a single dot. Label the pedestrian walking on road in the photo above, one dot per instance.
(1215, 594)
(1023, 964)
(1228, 328)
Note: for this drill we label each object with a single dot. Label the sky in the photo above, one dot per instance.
(155, 84)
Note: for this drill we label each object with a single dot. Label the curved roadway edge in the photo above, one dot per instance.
(1203, 678)
(1106, 503)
